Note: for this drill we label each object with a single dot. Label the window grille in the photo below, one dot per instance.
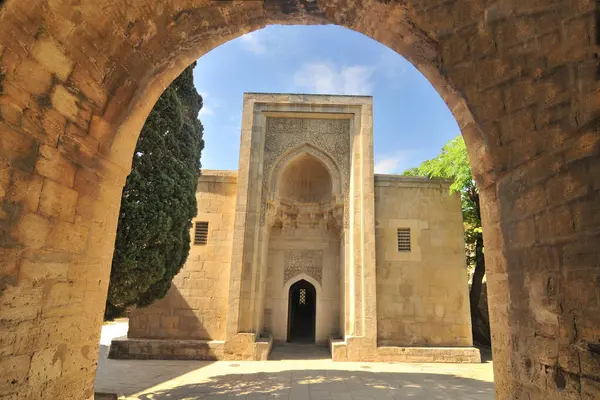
(302, 296)
(403, 239)
(201, 233)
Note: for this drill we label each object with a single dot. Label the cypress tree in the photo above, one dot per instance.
(158, 201)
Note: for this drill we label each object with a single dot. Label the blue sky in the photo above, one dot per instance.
(411, 121)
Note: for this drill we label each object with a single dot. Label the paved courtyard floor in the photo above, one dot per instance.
(294, 372)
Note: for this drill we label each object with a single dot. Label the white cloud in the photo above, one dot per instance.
(392, 66)
(253, 43)
(396, 163)
(387, 165)
(206, 110)
(326, 78)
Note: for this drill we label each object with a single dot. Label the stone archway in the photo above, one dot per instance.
(79, 78)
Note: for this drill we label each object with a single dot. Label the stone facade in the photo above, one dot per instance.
(78, 80)
(422, 296)
(196, 305)
(306, 216)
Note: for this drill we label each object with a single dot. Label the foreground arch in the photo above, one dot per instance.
(79, 78)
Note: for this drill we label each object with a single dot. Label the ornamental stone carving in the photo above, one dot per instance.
(309, 262)
(329, 137)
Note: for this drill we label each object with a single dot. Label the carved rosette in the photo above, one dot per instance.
(309, 262)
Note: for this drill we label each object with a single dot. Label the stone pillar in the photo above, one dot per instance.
(59, 204)
(368, 210)
(243, 237)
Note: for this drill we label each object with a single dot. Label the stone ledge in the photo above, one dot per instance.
(220, 176)
(169, 349)
(172, 349)
(345, 351)
(383, 180)
(429, 354)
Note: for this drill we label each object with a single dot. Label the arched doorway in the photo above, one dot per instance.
(302, 312)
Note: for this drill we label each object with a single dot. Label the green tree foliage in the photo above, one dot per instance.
(158, 201)
(453, 163)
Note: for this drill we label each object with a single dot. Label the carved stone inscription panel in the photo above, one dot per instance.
(309, 262)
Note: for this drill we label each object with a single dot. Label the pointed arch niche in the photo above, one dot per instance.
(305, 190)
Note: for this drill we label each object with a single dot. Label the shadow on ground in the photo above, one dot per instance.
(136, 375)
(289, 351)
(319, 384)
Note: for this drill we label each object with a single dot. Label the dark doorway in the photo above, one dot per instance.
(302, 312)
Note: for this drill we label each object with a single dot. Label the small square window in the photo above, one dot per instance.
(403, 239)
(201, 233)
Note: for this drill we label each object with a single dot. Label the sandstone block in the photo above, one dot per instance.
(46, 365)
(65, 102)
(9, 264)
(68, 237)
(26, 190)
(586, 213)
(22, 302)
(52, 164)
(85, 83)
(13, 372)
(38, 268)
(567, 186)
(586, 145)
(17, 147)
(59, 300)
(47, 52)
(58, 201)
(33, 229)
(101, 130)
(32, 77)
(520, 94)
(81, 137)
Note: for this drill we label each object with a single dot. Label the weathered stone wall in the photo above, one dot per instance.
(79, 78)
(422, 295)
(196, 305)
